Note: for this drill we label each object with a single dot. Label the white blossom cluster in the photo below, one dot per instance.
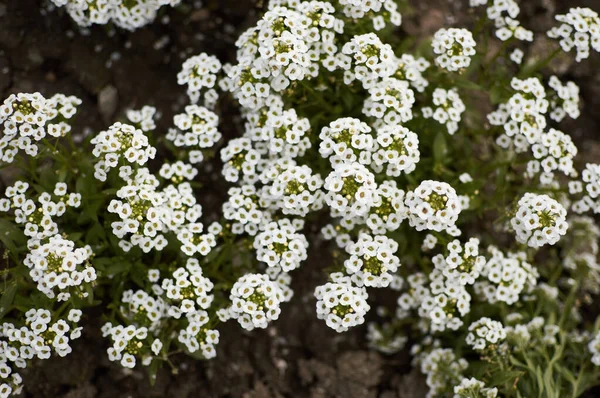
(372, 260)
(26, 119)
(565, 100)
(510, 274)
(188, 290)
(448, 109)
(579, 30)
(128, 343)
(143, 309)
(39, 337)
(463, 263)
(485, 333)
(347, 140)
(555, 151)
(38, 219)
(388, 209)
(539, 220)
(196, 336)
(366, 59)
(298, 191)
(444, 303)
(119, 144)
(504, 14)
(388, 9)
(433, 205)
(57, 266)
(199, 74)
(523, 116)
(195, 130)
(390, 102)
(279, 245)
(474, 388)
(454, 48)
(590, 187)
(350, 189)
(255, 301)
(341, 303)
(126, 14)
(177, 172)
(143, 118)
(398, 150)
(243, 209)
(411, 69)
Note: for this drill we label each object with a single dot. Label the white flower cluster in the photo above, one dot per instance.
(196, 130)
(507, 25)
(372, 260)
(443, 303)
(57, 266)
(255, 301)
(388, 9)
(509, 275)
(188, 290)
(177, 172)
(590, 177)
(350, 190)
(126, 14)
(121, 142)
(579, 29)
(347, 140)
(143, 309)
(390, 102)
(38, 219)
(398, 150)
(243, 209)
(474, 388)
(239, 157)
(199, 74)
(485, 334)
(26, 119)
(298, 191)
(581, 248)
(38, 338)
(555, 151)
(462, 264)
(198, 337)
(141, 214)
(454, 47)
(279, 245)
(433, 205)
(523, 116)
(564, 100)
(341, 304)
(442, 369)
(411, 69)
(388, 210)
(366, 59)
(448, 110)
(539, 220)
(143, 118)
(127, 343)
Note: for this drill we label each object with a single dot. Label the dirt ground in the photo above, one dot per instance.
(111, 71)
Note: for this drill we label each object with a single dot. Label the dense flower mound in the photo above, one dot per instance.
(444, 170)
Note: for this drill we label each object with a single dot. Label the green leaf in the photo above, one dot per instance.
(8, 295)
(439, 148)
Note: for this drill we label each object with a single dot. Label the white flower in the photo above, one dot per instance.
(196, 129)
(539, 220)
(432, 205)
(591, 198)
(350, 190)
(448, 110)
(454, 47)
(341, 304)
(474, 388)
(579, 29)
(198, 337)
(372, 261)
(398, 150)
(255, 301)
(443, 369)
(485, 333)
(279, 245)
(120, 144)
(188, 290)
(390, 101)
(199, 73)
(463, 263)
(509, 275)
(372, 60)
(143, 118)
(26, 119)
(564, 99)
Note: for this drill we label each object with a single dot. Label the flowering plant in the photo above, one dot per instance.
(480, 222)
